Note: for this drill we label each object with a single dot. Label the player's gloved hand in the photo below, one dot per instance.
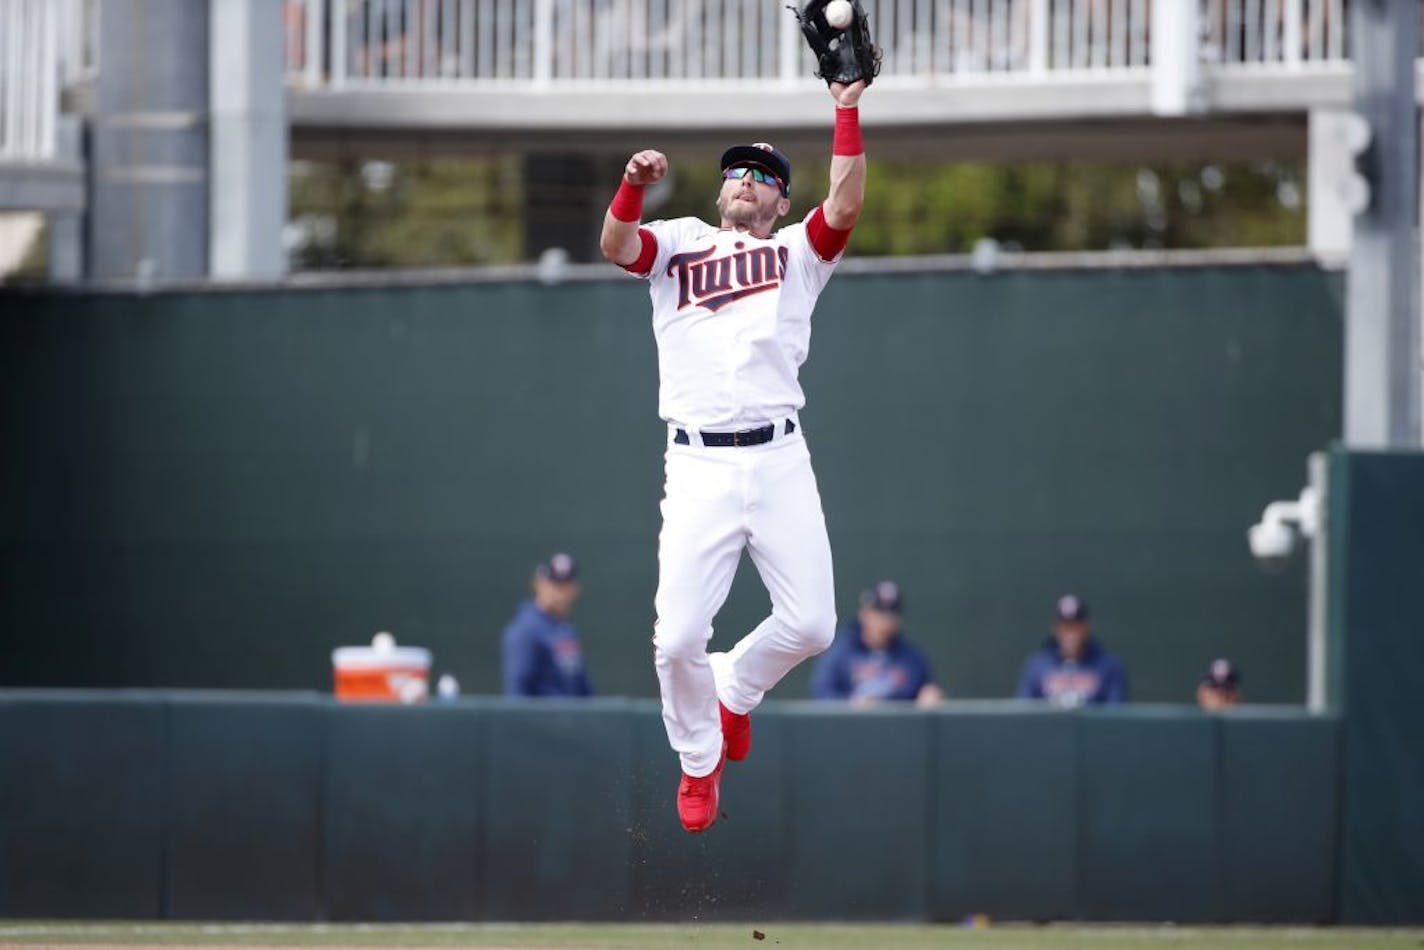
(842, 55)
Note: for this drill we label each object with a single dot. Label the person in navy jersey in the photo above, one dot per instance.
(871, 660)
(1073, 669)
(542, 654)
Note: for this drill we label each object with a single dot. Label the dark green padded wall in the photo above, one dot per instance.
(1376, 524)
(1003, 439)
(236, 839)
(215, 489)
(406, 788)
(82, 806)
(225, 806)
(1004, 815)
(1260, 839)
(1127, 856)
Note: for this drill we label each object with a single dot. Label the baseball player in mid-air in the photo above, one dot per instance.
(732, 318)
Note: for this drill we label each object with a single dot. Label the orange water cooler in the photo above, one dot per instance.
(382, 672)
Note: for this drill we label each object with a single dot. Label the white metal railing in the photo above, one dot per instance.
(29, 79)
(548, 42)
(1273, 32)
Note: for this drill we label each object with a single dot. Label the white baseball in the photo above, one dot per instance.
(839, 13)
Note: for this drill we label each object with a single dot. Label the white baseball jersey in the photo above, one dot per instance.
(732, 318)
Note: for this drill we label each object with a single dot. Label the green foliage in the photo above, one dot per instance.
(918, 209)
(471, 211)
(434, 213)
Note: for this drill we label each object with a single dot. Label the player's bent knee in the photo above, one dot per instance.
(680, 641)
(818, 630)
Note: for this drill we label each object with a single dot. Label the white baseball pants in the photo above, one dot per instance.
(716, 501)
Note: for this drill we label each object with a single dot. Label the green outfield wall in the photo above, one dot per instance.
(137, 804)
(211, 490)
(1376, 606)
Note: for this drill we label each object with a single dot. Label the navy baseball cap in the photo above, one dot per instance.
(884, 596)
(560, 567)
(764, 155)
(1071, 608)
(1222, 674)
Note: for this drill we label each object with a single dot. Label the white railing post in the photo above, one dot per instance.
(312, 31)
(10, 73)
(1175, 61)
(789, 50)
(543, 42)
(1335, 38)
(30, 80)
(1038, 13)
(10, 40)
(47, 76)
(337, 43)
(1137, 35)
(1291, 32)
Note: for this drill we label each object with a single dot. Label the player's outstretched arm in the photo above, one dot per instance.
(847, 193)
(619, 241)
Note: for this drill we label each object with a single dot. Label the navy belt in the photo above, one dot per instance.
(757, 436)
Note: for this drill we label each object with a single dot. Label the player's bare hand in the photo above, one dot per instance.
(847, 96)
(646, 167)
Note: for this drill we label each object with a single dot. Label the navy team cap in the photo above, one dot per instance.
(765, 155)
(884, 596)
(1071, 608)
(560, 567)
(1222, 674)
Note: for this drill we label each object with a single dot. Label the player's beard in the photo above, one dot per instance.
(747, 214)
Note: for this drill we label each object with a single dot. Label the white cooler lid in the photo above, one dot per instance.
(369, 658)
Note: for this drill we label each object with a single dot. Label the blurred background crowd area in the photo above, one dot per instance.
(455, 133)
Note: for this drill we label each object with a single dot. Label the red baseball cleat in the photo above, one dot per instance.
(697, 799)
(736, 732)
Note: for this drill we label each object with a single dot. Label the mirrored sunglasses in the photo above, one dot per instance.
(758, 175)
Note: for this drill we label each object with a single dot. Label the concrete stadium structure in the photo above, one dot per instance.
(199, 101)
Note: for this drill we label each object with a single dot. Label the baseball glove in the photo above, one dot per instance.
(842, 55)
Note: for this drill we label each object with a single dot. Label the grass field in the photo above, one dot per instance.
(31, 934)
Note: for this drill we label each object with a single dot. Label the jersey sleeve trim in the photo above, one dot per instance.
(826, 241)
(649, 253)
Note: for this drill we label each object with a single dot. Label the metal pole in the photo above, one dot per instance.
(1382, 335)
(248, 127)
(149, 143)
(1316, 656)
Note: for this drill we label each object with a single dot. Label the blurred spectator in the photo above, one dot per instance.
(1221, 686)
(1073, 668)
(542, 655)
(871, 660)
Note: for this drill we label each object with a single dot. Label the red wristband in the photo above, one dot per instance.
(627, 205)
(847, 140)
